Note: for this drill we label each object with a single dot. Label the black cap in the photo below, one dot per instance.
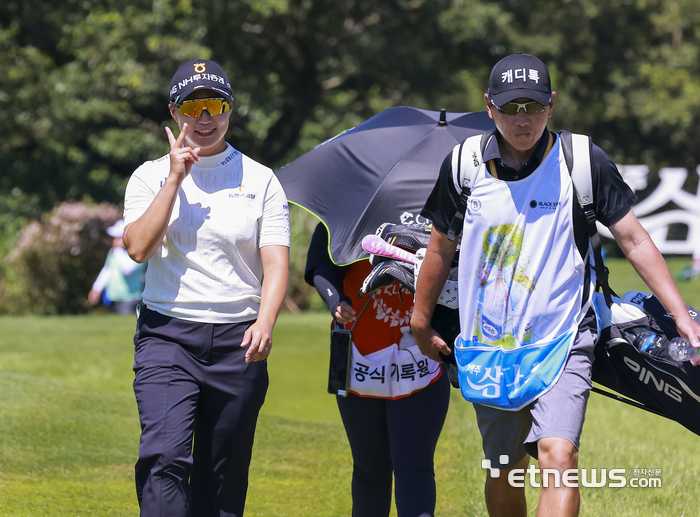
(520, 76)
(197, 75)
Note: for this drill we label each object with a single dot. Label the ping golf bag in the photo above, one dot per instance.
(625, 363)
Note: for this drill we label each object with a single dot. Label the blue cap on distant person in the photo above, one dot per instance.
(196, 75)
(117, 229)
(520, 76)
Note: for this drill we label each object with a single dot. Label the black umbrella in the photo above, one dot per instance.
(379, 171)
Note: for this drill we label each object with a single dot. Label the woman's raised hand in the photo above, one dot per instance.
(181, 158)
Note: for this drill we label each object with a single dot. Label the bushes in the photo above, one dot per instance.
(53, 266)
(55, 262)
(300, 295)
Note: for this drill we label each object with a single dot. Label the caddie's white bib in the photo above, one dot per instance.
(521, 280)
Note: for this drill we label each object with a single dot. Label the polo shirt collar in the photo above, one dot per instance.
(492, 152)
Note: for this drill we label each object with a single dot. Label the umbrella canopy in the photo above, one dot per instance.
(379, 171)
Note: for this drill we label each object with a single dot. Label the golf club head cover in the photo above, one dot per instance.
(410, 237)
(387, 272)
(420, 255)
(375, 245)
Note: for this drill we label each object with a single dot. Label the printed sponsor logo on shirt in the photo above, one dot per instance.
(237, 195)
(230, 157)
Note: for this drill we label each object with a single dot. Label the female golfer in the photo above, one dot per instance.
(209, 221)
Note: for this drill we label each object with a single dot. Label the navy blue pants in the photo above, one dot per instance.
(395, 437)
(191, 380)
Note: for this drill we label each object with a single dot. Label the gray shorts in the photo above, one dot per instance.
(558, 413)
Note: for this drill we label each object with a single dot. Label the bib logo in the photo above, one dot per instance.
(545, 205)
(200, 68)
(489, 329)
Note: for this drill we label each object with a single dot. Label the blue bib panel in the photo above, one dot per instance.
(510, 379)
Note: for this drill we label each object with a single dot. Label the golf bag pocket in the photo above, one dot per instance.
(629, 365)
(510, 379)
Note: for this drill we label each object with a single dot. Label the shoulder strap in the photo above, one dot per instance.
(466, 160)
(577, 155)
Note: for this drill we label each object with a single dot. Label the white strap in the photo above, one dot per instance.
(469, 163)
(581, 172)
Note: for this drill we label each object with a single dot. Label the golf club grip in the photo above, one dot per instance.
(377, 246)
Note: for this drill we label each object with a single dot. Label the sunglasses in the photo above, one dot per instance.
(512, 108)
(194, 108)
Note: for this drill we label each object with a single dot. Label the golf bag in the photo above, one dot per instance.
(648, 376)
(414, 239)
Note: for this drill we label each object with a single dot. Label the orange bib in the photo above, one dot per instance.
(385, 314)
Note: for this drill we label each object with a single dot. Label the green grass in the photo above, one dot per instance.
(623, 278)
(69, 429)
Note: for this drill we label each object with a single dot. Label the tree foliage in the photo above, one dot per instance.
(84, 83)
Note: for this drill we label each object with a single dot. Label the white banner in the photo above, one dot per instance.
(657, 221)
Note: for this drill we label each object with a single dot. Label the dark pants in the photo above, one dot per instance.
(191, 379)
(395, 437)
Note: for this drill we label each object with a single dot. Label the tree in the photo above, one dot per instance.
(85, 88)
(625, 71)
(85, 83)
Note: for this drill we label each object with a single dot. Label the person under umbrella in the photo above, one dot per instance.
(397, 398)
(380, 172)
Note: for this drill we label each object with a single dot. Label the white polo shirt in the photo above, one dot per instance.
(208, 267)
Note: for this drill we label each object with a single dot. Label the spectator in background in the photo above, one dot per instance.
(120, 283)
(691, 271)
(392, 425)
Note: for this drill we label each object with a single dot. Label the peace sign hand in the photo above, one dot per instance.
(181, 158)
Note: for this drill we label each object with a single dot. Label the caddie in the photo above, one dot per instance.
(525, 284)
